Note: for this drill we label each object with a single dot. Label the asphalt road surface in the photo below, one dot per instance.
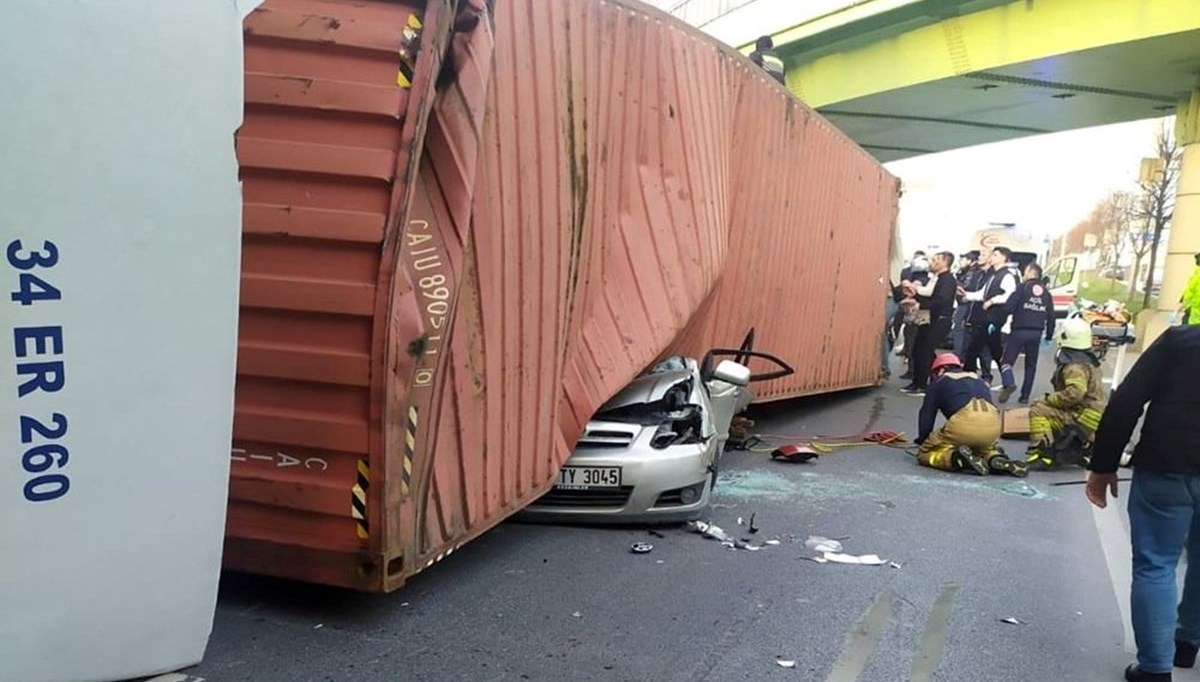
(534, 602)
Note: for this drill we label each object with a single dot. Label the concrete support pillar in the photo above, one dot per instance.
(1184, 242)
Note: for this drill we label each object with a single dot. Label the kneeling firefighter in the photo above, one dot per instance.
(967, 442)
(1077, 401)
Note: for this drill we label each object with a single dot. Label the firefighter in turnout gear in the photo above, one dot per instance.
(967, 442)
(1078, 398)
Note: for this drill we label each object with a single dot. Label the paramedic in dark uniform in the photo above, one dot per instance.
(1032, 319)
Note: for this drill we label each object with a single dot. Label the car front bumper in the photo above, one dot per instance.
(652, 485)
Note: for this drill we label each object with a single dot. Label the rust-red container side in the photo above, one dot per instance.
(458, 246)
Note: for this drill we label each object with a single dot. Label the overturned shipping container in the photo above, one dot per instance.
(466, 225)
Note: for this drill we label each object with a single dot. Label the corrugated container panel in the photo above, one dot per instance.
(809, 244)
(598, 185)
(633, 182)
(326, 154)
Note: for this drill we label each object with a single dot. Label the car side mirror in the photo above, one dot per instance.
(732, 373)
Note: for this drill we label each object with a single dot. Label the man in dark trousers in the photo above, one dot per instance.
(974, 277)
(916, 273)
(1032, 317)
(967, 274)
(1164, 497)
(764, 55)
(935, 300)
(989, 311)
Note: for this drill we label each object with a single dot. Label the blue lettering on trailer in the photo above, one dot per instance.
(40, 368)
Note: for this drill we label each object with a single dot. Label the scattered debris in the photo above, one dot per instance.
(740, 431)
(742, 544)
(656, 533)
(318, 626)
(404, 605)
(715, 533)
(660, 561)
(822, 544)
(753, 528)
(895, 565)
(794, 453)
(741, 521)
(577, 615)
(831, 552)
(708, 530)
(886, 504)
(1012, 621)
(773, 543)
(641, 548)
(785, 664)
(864, 560)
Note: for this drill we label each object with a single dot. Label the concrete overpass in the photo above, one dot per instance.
(911, 77)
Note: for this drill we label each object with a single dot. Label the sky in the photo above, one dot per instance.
(1045, 184)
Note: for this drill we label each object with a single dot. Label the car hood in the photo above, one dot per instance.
(647, 389)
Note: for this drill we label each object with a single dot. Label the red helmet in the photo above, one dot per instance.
(794, 453)
(944, 361)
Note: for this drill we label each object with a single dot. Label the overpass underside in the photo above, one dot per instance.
(945, 74)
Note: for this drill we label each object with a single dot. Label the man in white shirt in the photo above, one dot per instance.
(988, 310)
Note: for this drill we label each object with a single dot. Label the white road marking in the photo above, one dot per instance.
(1119, 557)
(933, 639)
(863, 639)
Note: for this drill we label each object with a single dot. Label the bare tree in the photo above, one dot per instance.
(1114, 216)
(1157, 202)
(1076, 239)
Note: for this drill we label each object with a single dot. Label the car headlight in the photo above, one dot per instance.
(664, 436)
(679, 426)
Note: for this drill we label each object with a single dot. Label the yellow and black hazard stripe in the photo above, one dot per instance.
(410, 446)
(410, 44)
(358, 500)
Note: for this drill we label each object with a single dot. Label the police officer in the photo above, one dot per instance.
(1033, 316)
(764, 55)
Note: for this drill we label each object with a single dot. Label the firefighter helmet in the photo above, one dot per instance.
(944, 361)
(1075, 334)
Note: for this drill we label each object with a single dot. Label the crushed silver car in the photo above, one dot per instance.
(651, 453)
